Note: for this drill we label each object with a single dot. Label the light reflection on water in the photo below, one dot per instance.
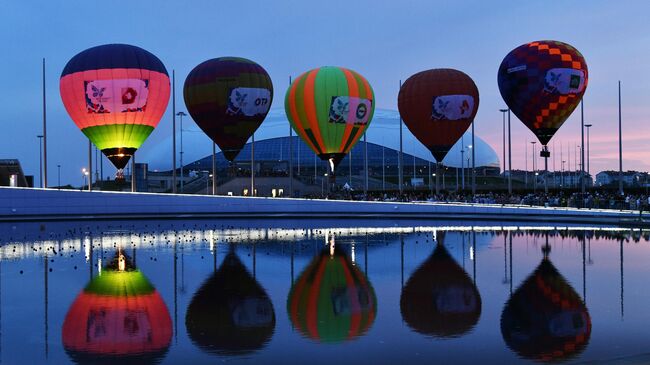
(321, 292)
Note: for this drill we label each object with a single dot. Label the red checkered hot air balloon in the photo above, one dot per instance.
(545, 319)
(542, 82)
(116, 94)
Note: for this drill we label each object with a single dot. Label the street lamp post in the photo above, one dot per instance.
(174, 131)
(509, 156)
(40, 159)
(473, 161)
(503, 113)
(85, 176)
(181, 115)
(534, 174)
(588, 126)
(462, 169)
(58, 176)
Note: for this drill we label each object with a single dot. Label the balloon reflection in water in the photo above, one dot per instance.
(545, 319)
(440, 299)
(118, 318)
(332, 300)
(230, 314)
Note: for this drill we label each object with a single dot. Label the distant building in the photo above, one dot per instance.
(630, 178)
(11, 174)
(555, 179)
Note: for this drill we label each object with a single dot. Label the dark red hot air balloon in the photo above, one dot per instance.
(228, 98)
(231, 314)
(440, 299)
(543, 82)
(438, 106)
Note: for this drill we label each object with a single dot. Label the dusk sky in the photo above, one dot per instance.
(383, 40)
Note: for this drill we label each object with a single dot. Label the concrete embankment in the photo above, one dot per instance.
(18, 204)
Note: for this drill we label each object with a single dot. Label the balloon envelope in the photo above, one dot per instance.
(440, 299)
(228, 98)
(542, 83)
(332, 300)
(118, 318)
(330, 108)
(116, 94)
(545, 319)
(438, 106)
(230, 314)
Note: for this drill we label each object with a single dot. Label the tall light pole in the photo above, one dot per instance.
(253, 165)
(90, 165)
(588, 126)
(181, 115)
(620, 143)
(462, 168)
(509, 156)
(290, 155)
(582, 150)
(214, 169)
(174, 131)
(400, 160)
(365, 164)
(503, 113)
(383, 168)
(44, 178)
(576, 162)
(534, 176)
(58, 176)
(40, 159)
(473, 161)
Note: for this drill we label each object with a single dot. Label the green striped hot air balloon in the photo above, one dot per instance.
(332, 300)
(330, 108)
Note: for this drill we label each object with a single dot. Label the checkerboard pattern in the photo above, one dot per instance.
(521, 80)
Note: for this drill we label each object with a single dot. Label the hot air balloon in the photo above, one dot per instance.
(116, 94)
(542, 83)
(119, 318)
(440, 299)
(330, 108)
(228, 98)
(332, 300)
(230, 314)
(438, 106)
(545, 319)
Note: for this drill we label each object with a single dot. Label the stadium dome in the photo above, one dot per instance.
(383, 131)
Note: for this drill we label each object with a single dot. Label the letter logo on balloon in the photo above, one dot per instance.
(349, 110)
(249, 101)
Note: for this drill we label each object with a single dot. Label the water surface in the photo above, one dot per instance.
(321, 292)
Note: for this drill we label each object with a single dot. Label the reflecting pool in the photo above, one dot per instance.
(322, 292)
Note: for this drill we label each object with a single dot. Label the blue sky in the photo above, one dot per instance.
(383, 40)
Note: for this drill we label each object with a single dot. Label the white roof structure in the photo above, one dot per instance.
(383, 130)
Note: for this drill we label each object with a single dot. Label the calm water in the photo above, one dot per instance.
(322, 293)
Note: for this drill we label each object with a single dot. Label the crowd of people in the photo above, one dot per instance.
(604, 199)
